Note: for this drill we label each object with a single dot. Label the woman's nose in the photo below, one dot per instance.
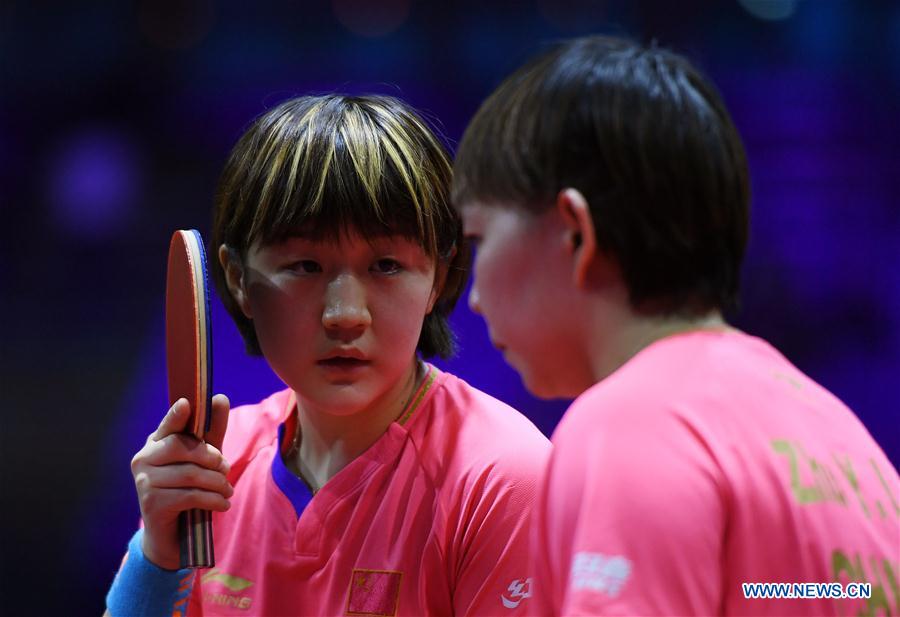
(345, 304)
(473, 300)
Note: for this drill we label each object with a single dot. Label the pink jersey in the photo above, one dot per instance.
(705, 462)
(432, 519)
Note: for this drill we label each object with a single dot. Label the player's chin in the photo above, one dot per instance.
(538, 388)
(344, 397)
(538, 382)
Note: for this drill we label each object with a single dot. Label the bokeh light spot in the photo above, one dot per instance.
(371, 19)
(770, 10)
(176, 24)
(94, 182)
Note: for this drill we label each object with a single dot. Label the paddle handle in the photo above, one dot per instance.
(195, 532)
(196, 539)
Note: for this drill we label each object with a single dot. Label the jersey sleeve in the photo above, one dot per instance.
(490, 551)
(634, 510)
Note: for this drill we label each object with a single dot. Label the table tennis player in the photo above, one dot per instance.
(606, 189)
(375, 483)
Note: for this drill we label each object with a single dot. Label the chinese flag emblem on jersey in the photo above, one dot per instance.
(374, 592)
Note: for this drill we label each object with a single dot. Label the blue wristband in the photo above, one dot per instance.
(143, 589)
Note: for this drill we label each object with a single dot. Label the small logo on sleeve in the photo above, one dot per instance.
(518, 590)
(374, 592)
(598, 572)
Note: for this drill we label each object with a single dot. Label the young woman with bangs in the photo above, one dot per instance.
(374, 483)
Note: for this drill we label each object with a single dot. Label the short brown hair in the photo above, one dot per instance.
(328, 165)
(648, 142)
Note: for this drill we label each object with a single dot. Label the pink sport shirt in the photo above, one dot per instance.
(433, 519)
(705, 462)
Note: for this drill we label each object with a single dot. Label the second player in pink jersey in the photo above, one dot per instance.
(607, 191)
(374, 484)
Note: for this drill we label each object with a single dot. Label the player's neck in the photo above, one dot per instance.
(634, 332)
(325, 443)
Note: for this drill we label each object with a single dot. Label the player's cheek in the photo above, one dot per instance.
(494, 287)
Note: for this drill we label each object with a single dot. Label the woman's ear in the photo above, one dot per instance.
(440, 279)
(234, 277)
(579, 228)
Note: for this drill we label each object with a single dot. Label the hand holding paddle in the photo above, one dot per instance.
(174, 473)
(180, 471)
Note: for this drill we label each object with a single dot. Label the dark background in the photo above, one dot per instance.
(116, 119)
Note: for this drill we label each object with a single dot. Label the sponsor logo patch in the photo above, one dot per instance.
(598, 572)
(518, 590)
(232, 583)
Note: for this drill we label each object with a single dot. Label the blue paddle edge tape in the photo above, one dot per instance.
(206, 304)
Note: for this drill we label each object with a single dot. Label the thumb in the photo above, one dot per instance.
(174, 421)
(219, 422)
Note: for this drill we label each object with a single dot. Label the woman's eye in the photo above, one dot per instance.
(386, 266)
(306, 266)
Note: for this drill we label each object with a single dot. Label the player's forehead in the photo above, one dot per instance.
(475, 213)
(471, 211)
(483, 216)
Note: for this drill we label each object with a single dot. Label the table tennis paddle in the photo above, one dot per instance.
(189, 367)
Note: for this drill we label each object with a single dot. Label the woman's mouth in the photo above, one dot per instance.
(341, 363)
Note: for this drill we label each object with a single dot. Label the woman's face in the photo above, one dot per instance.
(339, 322)
(523, 287)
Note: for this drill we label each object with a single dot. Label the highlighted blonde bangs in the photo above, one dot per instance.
(325, 166)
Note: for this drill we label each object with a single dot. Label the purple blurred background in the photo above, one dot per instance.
(116, 120)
